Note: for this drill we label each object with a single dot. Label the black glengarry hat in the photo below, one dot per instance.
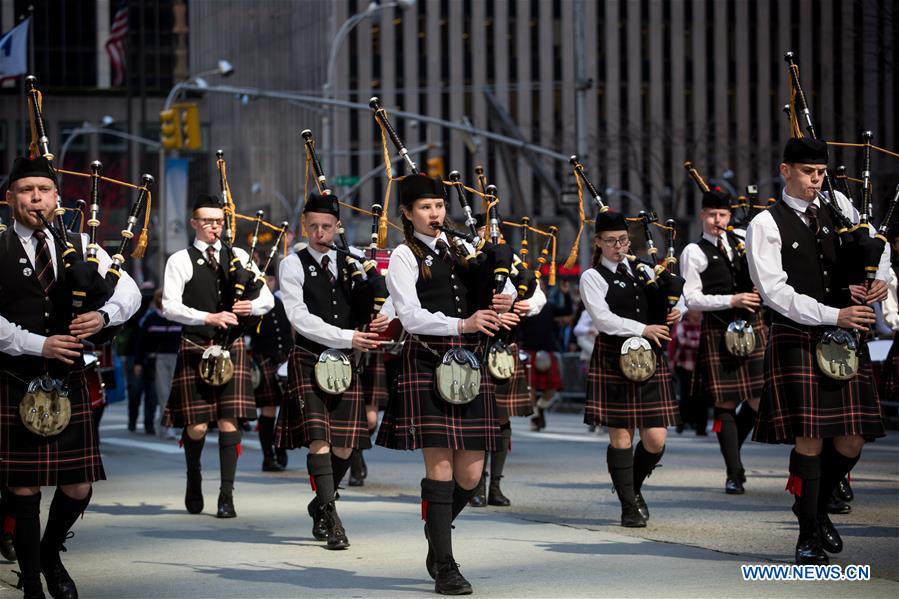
(31, 167)
(805, 150)
(610, 221)
(207, 201)
(416, 187)
(322, 204)
(716, 199)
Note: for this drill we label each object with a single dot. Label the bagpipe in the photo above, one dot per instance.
(740, 338)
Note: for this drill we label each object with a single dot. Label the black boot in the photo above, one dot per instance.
(497, 465)
(479, 497)
(843, 491)
(321, 477)
(745, 422)
(805, 483)
(281, 456)
(357, 469)
(438, 499)
(644, 464)
(229, 451)
(621, 469)
(267, 441)
(538, 420)
(7, 528)
(193, 449)
(336, 534)
(834, 467)
(26, 511)
(729, 442)
(64, 512)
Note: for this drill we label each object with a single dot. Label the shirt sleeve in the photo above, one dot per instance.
(16, 341)
(304, 322)
(693, 263)
(763, 247)
(593, 291)
(402, 275)
(178, 271)
(891, 303)
(125, 299)
(537, 301)
(265, 301)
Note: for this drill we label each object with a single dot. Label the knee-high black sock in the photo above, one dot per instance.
(745, 421)
(26, 509)
(339, 466)
(461, 497)
(498, 458)
(621, 469)
(267, 435)
(834, 466)
(321, 476)
(644, 464)
(437, 499)
(728, 441)
(229, 450)
(64, 512)
(805, 484)
(193, 450)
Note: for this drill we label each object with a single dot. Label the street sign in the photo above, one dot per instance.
(346, 180)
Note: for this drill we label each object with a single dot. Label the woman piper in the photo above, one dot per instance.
(436, 298)
(622, 308)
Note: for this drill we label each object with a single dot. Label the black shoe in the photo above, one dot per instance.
(193, 497)
(281, 456)
(59, 584)
(270, 464)
(836, 506)
(319, 526)
(810, 552)
(336, 534)
(430, 560)
(7, 548)
(631, 516)
(363, 472)
(479, 499)
(641, 505)
(449, 580)
(702, 433)
(32, 587)
(734, 486)
(830, 538)
(538, 421)
(226, 507)
(843, 491)
(356, 480)
(495, 496)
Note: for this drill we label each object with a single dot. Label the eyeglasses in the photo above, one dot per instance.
(211, 221)
(616, 241)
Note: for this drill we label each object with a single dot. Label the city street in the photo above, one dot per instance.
(559, 538)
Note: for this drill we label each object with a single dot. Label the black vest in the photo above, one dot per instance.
(207, 290)
(626, 296)
(275, 336)
(809, 260)
(23, 302)
(330, 303)
(446, 290)
(719, 278)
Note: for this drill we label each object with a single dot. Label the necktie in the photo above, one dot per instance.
(43, 265)
(623, 271)
(722, 249)
(812, 213)
(443, 251)
(211, 258)
(326, 263)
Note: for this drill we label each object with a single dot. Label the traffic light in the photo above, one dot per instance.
(190, 126)
(435, 167)
(169, 129)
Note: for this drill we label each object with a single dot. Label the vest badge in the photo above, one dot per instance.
(795, 245)
(27, 271)
(200, 261)
(429, 261)
(825, 230)
(621, 284)
(313, 272)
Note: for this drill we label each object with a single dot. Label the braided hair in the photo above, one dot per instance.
(416, 245)
(597, 252)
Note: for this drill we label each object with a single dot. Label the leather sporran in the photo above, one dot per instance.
(739, 338)
(45, 408)
(500, 361)
(637, 360)
(333, 372)
(216, 367)
(837, 354)
(458, 376)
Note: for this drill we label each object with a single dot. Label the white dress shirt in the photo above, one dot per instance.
(179, 270)
(125, 300)
(763, 247)
(402, 275)
(585, 333)
(891, 303)
(292, 275)
(693, 262)
(593, 292)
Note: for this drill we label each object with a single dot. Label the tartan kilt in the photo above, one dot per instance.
(418, 417)
(798, 400)
(29, 460)
(374, 380)
(615, 401)
(719, 375)
(309, 414)
(513, 397)
(889, 379)
(194, 402)
(268, 393)
(543, 381)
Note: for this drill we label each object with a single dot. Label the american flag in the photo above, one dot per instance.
(115, 47)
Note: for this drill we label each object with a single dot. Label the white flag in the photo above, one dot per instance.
(14, 51)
